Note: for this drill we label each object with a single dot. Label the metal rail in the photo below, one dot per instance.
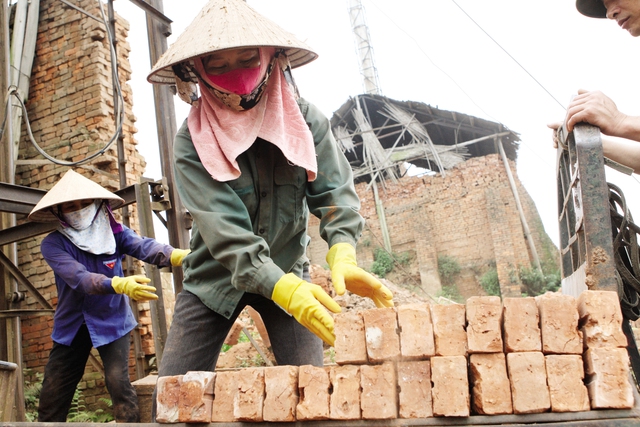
(586, 242)
(585, 222)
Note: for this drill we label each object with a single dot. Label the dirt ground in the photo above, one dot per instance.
(244, 354)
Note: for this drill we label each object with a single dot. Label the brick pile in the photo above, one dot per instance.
(469, 214)
(488, 357)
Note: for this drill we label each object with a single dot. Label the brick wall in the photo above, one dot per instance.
(469, 214)
(71, 112)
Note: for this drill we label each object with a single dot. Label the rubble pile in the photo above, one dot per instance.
(488, 357)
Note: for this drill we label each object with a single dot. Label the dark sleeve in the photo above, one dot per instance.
(332, 196)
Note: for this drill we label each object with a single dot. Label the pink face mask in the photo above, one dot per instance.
(240, 81)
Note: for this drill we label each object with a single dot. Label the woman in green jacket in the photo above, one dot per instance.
(252, 160)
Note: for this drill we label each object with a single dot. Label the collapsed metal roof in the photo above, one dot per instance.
(379, 134)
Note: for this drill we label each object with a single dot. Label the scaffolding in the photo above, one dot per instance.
(151, 197)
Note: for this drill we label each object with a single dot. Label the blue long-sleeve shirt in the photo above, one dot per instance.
(83, 281)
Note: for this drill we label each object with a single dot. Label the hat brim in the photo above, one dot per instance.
(228, 24)
(72, 186)
(591, 8)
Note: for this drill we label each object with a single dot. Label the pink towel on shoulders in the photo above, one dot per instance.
(220, 134)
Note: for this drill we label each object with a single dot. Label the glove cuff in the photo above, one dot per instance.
(341, 252)
(176, 257)
(284, 290)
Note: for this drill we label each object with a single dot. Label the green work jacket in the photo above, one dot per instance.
(250, 231)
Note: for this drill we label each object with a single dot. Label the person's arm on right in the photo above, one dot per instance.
(623, 151)
(621, 132)
(595, 108)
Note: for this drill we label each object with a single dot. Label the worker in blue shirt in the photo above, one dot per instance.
(85, 254)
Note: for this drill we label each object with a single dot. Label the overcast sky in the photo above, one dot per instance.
(508, 61)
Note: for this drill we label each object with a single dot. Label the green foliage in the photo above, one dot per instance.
(78, 412)
(383, 262)
(404, 259)
(450, 292)
(32, 394)
(490, 282)
(330, 354)
(248, 362)
(241, 338)
(448, 269)
(536, 282)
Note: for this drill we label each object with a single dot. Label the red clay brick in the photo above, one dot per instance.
(350, 345)
(528, 376)
(167, 399)
(281, 393)
(484, 324)
(196, 397)
(559, 324)
(234, 333)
(521, 325)
(379, 399)
(313, 385)
(224, 392)
(249, 399)
(414, 385)
(450, 391)
(565, 376)
(381, 333)
(491, 390)
(449, 323)
(601, 319)
(416, 331)
(607, 378)
(345, 397)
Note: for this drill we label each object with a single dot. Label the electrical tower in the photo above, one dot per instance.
(364, 48)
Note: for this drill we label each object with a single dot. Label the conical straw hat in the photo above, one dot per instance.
(227, 24)
(72, 186)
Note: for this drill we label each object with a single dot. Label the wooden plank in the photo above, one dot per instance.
(7, 389)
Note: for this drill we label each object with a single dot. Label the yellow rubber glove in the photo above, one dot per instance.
(308, 304)
(178, 255)
(345, 273)
(135, 287)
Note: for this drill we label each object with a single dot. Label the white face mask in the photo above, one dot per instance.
(82, 218)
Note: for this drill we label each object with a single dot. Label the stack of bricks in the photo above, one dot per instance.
(488, 357)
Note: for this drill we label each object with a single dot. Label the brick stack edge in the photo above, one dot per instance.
(488, 357)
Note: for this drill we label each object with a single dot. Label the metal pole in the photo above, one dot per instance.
(122, 172)
(14, 330)
(158, 314)
(523, 219)
(177, 221)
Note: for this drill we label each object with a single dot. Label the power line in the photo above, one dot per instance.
(433, 63)
(508, 54)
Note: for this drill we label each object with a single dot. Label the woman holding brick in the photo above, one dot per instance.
(252, 160)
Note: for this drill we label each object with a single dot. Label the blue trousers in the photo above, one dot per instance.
(65, 369)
